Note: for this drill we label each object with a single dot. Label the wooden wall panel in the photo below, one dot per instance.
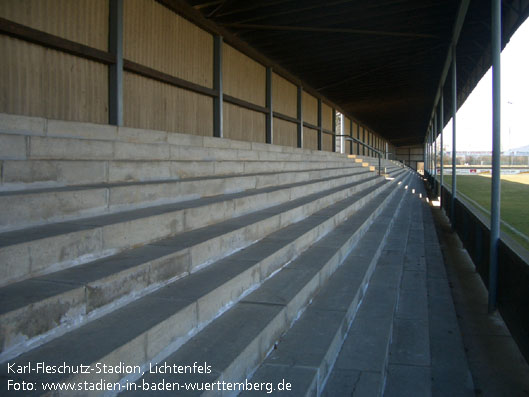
(327, 142)
(310, 138)
(243, 124)
(47, 83)
(243, 77)
(285, 133)
(150, 104)
(284, 96)
(310, 109)
(326, 116)
(158, 38)
(82, 21)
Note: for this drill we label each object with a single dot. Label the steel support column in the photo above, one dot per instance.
(270, 110)
(334, 130)
(358, 145)
(454, 111)
(427, 151)
(217, 85)
(115, 71)
(441, 126)
(300, 117)
(351, 135)
(320, 137)
(435, 153)
(496, 151)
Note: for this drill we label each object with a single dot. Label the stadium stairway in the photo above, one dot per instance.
(122, 248)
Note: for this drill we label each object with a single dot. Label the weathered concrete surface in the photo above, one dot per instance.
(496, 364)
(126, 275)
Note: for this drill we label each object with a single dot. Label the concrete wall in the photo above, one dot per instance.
(410, 155)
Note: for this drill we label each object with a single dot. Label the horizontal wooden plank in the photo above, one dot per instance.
(244, 104)
(47, 40)
(145, 71)
(311, 126)
(286, 118)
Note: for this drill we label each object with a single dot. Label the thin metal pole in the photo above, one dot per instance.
(496, 151)
(115, 71)
(320, 138)
(351, 135)
(334, 130)
(300, 117)
(217, 84)
(270, 110)
(363, 141)
(435, 153)
(454, 111)
(428, 151)
(441, 126)
(358, 136)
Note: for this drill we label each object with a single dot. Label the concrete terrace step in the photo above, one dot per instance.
(151, 327)
(16, 133)
(236, 343)
(20, 147)
(305, 355)
(14, 127)
(361, 366)
(44, 249)
(22, 209)
(27, 174)
(66, 297)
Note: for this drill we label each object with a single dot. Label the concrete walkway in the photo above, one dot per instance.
(497, 366)
(443, 342)
(425, 355)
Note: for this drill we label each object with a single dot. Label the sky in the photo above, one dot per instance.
(474, 118)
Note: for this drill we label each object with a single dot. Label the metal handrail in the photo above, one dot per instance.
(380, 154)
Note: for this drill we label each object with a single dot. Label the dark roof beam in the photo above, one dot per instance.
(328, 30)
(220, 7)
(208, 4)
(253, 7)
(383, 66)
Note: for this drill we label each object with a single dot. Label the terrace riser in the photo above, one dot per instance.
(24, 210)
(166, 337)
(51, 254)
(121, 288)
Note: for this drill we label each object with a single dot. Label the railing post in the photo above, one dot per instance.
(496, 151)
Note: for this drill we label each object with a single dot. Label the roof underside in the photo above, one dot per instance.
(379, 60)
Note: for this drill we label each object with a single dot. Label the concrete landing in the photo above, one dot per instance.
(412, 347)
